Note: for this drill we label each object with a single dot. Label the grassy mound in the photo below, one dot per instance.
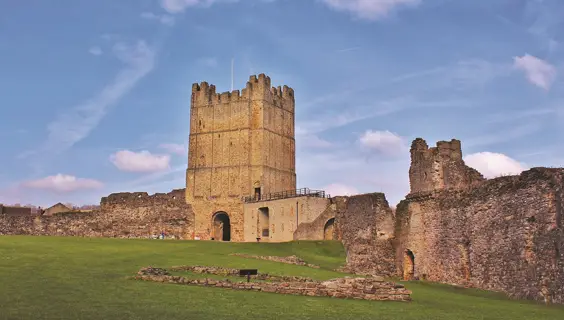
(85, 278)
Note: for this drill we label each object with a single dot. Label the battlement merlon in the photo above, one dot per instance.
(257, 88)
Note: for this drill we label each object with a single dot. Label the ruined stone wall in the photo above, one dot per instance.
(374, 289)
(121, 215)
(8, 210)
(505, 234)
(440, 167)
(239, 141)
(365, 224)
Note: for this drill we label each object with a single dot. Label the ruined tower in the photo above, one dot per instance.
(241, 144)
(440, 167)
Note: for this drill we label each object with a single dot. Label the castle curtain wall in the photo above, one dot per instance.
(122, 215)
(505, 235)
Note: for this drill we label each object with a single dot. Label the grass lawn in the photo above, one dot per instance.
(86, 278)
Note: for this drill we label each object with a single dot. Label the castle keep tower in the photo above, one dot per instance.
(241, 144)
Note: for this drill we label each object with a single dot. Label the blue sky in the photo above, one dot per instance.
(95, 95)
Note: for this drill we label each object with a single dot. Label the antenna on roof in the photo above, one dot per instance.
(232, 62)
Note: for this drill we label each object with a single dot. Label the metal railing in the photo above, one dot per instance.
(287, 194)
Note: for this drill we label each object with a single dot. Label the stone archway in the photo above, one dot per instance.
(221, 226)
(328, 229)
(408, 265)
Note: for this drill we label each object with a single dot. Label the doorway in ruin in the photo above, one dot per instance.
(221, 225)
(408, 265)
(328, 229)
(263, 224)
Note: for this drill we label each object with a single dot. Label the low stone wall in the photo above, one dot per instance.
(122, 215)
(235, 273)
(288, 260)
(373, 289)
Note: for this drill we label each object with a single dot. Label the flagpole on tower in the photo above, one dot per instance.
(232, 63)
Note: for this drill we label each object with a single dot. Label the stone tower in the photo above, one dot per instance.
(241, 145)
(440, 167)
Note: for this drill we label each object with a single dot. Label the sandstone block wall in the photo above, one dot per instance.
(365, 224)
(505, 234)
(322, 228)
(239, 141)
(122, 215)
(282, 217)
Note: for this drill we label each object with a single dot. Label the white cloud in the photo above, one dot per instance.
(165, 19)
(178, 6)
(363, 9)
(76, 123)
(143, 161)
(337, 189)
(370, 9)
(383, 142)
(492, 165)
(539, 72)
(63, 183)
(174, 148)
(95, 51)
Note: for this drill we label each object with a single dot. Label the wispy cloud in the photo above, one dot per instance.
(63, 183)
(175, 148)
(95, 51)
(178, 6)
(165, 19)
(347, 49)
(339, 118)
(76, 123)
(370, 9)
(362, 9)
(519, 115)
(504, 135)
(462, 74)
(539, 72)
(210, 62)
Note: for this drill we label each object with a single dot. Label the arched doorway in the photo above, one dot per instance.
(221, 227)
(264, 224)
(328, 229)
(408, 265)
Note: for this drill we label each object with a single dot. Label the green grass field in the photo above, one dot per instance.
(84, 278)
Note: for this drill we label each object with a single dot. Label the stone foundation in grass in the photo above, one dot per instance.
(288, 260)
(372, 288)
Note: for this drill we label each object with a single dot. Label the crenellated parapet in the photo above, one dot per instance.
(257, 88)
